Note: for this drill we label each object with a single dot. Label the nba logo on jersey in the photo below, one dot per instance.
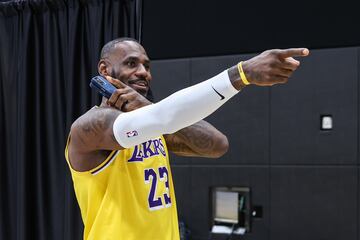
(132, 134)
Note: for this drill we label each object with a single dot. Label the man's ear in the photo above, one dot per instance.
(103, 67)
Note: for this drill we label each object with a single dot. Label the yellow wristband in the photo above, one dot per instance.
(242, 74)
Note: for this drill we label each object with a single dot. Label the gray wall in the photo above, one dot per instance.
(188, 28)
(306, 180)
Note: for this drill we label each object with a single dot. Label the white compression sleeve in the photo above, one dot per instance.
(179, 110)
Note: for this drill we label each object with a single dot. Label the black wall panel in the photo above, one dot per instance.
(203, 178)
(244, 119)
(182, 184)
(313, 203)
(314, 194)
(358, 112)
(358, 200)
(325, 83)
(169, 76)
(187, 28)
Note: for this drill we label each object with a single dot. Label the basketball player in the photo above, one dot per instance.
(118, 152)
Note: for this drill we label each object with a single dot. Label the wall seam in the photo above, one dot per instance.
(269, 164)
(358, 149)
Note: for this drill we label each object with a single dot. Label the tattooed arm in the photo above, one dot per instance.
(198, 140)
(92, 138)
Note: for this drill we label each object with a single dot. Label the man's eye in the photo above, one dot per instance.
(131, 64)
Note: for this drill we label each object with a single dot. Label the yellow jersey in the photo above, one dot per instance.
(129, 196)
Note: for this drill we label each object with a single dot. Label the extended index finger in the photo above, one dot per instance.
(117, 83)
(293, 52)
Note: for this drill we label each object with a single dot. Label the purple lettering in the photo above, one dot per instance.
(162, 148)
(156, 146)
(154, 204)
(147, 149)
(164, 176)
(137, 155)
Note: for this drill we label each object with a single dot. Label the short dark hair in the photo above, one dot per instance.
(110, 46)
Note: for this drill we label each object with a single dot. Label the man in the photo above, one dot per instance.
(118, 152)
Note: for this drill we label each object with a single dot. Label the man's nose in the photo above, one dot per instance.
(142, 71)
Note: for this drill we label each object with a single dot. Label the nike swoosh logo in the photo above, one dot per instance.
(221, 96)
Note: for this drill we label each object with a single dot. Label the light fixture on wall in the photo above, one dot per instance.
(326, 122)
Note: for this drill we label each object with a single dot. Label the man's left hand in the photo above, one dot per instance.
(126, 98)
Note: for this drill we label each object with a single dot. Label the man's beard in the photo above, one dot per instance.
(149, 95)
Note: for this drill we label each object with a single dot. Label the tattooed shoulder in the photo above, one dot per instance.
(95, 122)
